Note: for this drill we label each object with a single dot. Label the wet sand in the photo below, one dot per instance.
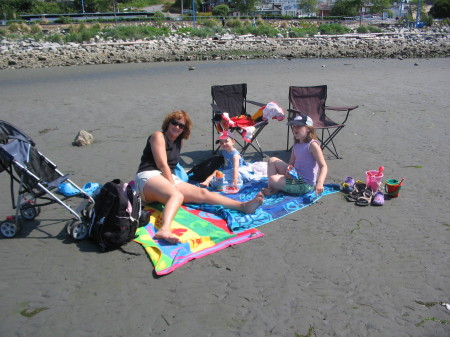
(332, 268)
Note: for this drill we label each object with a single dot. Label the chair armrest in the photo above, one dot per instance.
(341, 108)
(256, 103)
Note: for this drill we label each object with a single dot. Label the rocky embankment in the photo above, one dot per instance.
(400, 43)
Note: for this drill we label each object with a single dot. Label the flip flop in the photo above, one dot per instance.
(90, 188)
(68, 190)
(378, 199)
(346, 188)
(365, 198)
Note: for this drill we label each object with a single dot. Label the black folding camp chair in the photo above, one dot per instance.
(311, 101)
(232, 98)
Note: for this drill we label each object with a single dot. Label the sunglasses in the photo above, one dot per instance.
(175, 123)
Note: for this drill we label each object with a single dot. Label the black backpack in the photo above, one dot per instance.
(203, 170)
(115, 215)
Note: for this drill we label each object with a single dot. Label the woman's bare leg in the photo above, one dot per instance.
(196, 195)
(159, 189)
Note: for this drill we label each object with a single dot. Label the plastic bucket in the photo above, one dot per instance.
(373, 180)
(392, 187)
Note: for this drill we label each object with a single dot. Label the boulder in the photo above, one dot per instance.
(83, 138)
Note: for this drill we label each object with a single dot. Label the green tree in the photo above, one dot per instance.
(11, 8)
(308, 6)
(440, 9)
(344, 8)
(221, 10)
(379, 6)
(244, 6)
(93, 6)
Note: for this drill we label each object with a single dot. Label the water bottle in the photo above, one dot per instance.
(219, 181)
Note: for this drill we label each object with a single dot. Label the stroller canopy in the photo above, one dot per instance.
(9, 132)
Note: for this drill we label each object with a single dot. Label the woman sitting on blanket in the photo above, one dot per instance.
(232, 164)
(155, 180)
(307, 168)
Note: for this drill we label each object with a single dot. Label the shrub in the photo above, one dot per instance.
(158, 16)
(2, 32)
(63, 20)
(135, 32)
(303, 32)
(14, 27)
(374, 29)
(56, 38)
(24, 28)
(362, 30)
(211, 23)
(36, 28)
(202, 32)
(333, 28)
(234, 23)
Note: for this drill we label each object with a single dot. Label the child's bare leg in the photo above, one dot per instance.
(208, 180)
(269, 191)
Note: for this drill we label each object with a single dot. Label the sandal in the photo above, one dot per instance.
(378, 199)
(348, 185)
(365, 198)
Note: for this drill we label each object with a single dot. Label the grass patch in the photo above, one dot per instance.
(309, 334)
(334, 28)
(303, 32)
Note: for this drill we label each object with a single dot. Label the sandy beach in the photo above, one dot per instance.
(331, 269)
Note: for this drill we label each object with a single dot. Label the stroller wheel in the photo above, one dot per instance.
(30, 213)
(79, 230)
(9, 229)
(86, 212)
(68, 227)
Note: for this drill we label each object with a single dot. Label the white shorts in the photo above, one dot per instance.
(141, 178)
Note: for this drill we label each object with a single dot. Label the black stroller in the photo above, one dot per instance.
(38, 179)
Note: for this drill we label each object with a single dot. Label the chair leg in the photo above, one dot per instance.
(325, 144)
(257, 149)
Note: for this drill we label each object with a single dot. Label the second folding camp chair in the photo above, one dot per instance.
(231, 100)
(311, 101)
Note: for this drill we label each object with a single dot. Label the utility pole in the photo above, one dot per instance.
(418, 14)
(193, 12)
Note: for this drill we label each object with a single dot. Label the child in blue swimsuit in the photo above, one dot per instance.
(232, 162)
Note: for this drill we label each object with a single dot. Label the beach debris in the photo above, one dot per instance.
(30, 312)
(83, 138)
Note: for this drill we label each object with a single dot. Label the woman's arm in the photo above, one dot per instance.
(158, 144)
(317, 153)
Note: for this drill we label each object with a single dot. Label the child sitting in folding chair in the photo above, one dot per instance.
(233, 177)
(307, 168)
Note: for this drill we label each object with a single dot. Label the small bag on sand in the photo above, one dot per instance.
(204, 169)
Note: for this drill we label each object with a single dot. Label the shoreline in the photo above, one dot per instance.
(401, 44)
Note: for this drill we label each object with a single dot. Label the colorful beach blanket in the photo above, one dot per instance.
(201, 234)
(275, 206)
(206, 229)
